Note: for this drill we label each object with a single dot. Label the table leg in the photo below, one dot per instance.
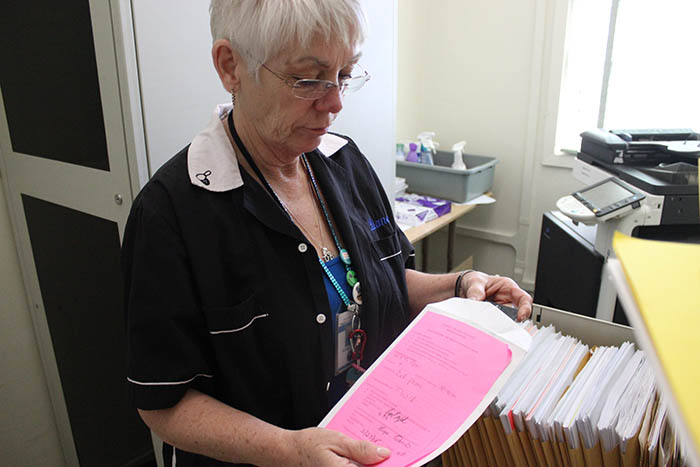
(450, 245)
(424, 243)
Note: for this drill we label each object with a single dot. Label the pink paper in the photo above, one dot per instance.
(424, 389)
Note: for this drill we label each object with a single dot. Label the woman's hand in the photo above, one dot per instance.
(322, 447)
(503, 290)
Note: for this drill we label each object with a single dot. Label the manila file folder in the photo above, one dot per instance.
(657, 283)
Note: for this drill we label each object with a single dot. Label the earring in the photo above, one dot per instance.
(233, 98)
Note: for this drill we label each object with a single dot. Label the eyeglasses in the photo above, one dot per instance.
(312, 89)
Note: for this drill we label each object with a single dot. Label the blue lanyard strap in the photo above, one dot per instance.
(331, 277)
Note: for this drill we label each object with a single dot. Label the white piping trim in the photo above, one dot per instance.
(168, 383)
(412, 254)
(226, 331)
(173, 461)
(391, 256)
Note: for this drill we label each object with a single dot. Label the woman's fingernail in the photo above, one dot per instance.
(383, 452)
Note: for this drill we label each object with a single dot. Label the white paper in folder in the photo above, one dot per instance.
(635, 407)
(592, 405)
(562, 420)
(521, 379)
(625, 389)
(572, 355)
(539, 380)
(531, 395)
(574, 424)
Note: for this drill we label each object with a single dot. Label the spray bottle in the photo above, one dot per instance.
(458, 162)
(400, 152)
(427, 147)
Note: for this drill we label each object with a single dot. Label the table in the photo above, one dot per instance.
(423, 231)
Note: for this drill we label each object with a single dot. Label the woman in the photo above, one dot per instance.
(244, 253)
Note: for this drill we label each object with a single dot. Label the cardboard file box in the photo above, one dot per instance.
(590, 331)
(486, 444)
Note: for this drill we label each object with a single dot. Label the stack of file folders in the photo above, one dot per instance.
(569, 405)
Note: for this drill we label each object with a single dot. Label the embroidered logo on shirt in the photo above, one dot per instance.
(204, 177)
(375, 224)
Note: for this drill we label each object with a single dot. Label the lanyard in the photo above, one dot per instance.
(351, 275)
(334, 281)
(358, 337)
(252, 164)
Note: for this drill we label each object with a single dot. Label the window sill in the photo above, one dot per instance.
(561, 160)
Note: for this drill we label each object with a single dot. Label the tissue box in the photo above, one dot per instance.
(412, 209)
(440, 206)
(409, 214)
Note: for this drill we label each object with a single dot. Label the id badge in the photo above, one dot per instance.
(343, 351)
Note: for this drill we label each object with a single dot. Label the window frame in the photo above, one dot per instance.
(554, 27)
(551, 33)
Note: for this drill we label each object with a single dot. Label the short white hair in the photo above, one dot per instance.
(260, 29)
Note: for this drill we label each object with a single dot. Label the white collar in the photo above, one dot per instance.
(212, 163)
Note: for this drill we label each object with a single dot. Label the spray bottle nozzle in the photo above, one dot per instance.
(458, 162)
(426, 139)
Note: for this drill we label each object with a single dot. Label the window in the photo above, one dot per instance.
(629, 64)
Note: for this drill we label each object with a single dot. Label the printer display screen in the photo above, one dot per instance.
(606, 194)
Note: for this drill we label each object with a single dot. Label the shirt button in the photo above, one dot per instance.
(302, 247)
(320, 318)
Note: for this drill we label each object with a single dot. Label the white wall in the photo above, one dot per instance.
(28, 435)
(368, 116)
(179, 86)
(472, 70)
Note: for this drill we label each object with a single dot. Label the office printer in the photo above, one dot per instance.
(660, 167)
(658, 162)
(641, 146)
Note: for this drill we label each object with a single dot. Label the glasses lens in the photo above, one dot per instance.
(355, 83)
(317, 88)
(311, 88)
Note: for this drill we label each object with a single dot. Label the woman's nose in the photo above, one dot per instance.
(332, 102)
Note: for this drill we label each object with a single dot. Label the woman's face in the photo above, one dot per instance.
(284, 123)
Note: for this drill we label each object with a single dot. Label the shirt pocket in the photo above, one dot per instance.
(244, 342)
(240, 319)
(388, 249)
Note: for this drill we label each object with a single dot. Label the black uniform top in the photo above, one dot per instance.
(224, 293)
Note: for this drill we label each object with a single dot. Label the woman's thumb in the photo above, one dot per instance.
(367, 453)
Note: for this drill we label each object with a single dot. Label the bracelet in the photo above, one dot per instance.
(458, 284)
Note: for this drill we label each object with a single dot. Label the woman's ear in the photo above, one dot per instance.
(229, 65)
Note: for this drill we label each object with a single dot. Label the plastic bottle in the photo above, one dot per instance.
(458, 162)
(427, 147)
(426, 155)
(412, 155)
(400, 156)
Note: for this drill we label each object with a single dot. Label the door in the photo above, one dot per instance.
(65, 171)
